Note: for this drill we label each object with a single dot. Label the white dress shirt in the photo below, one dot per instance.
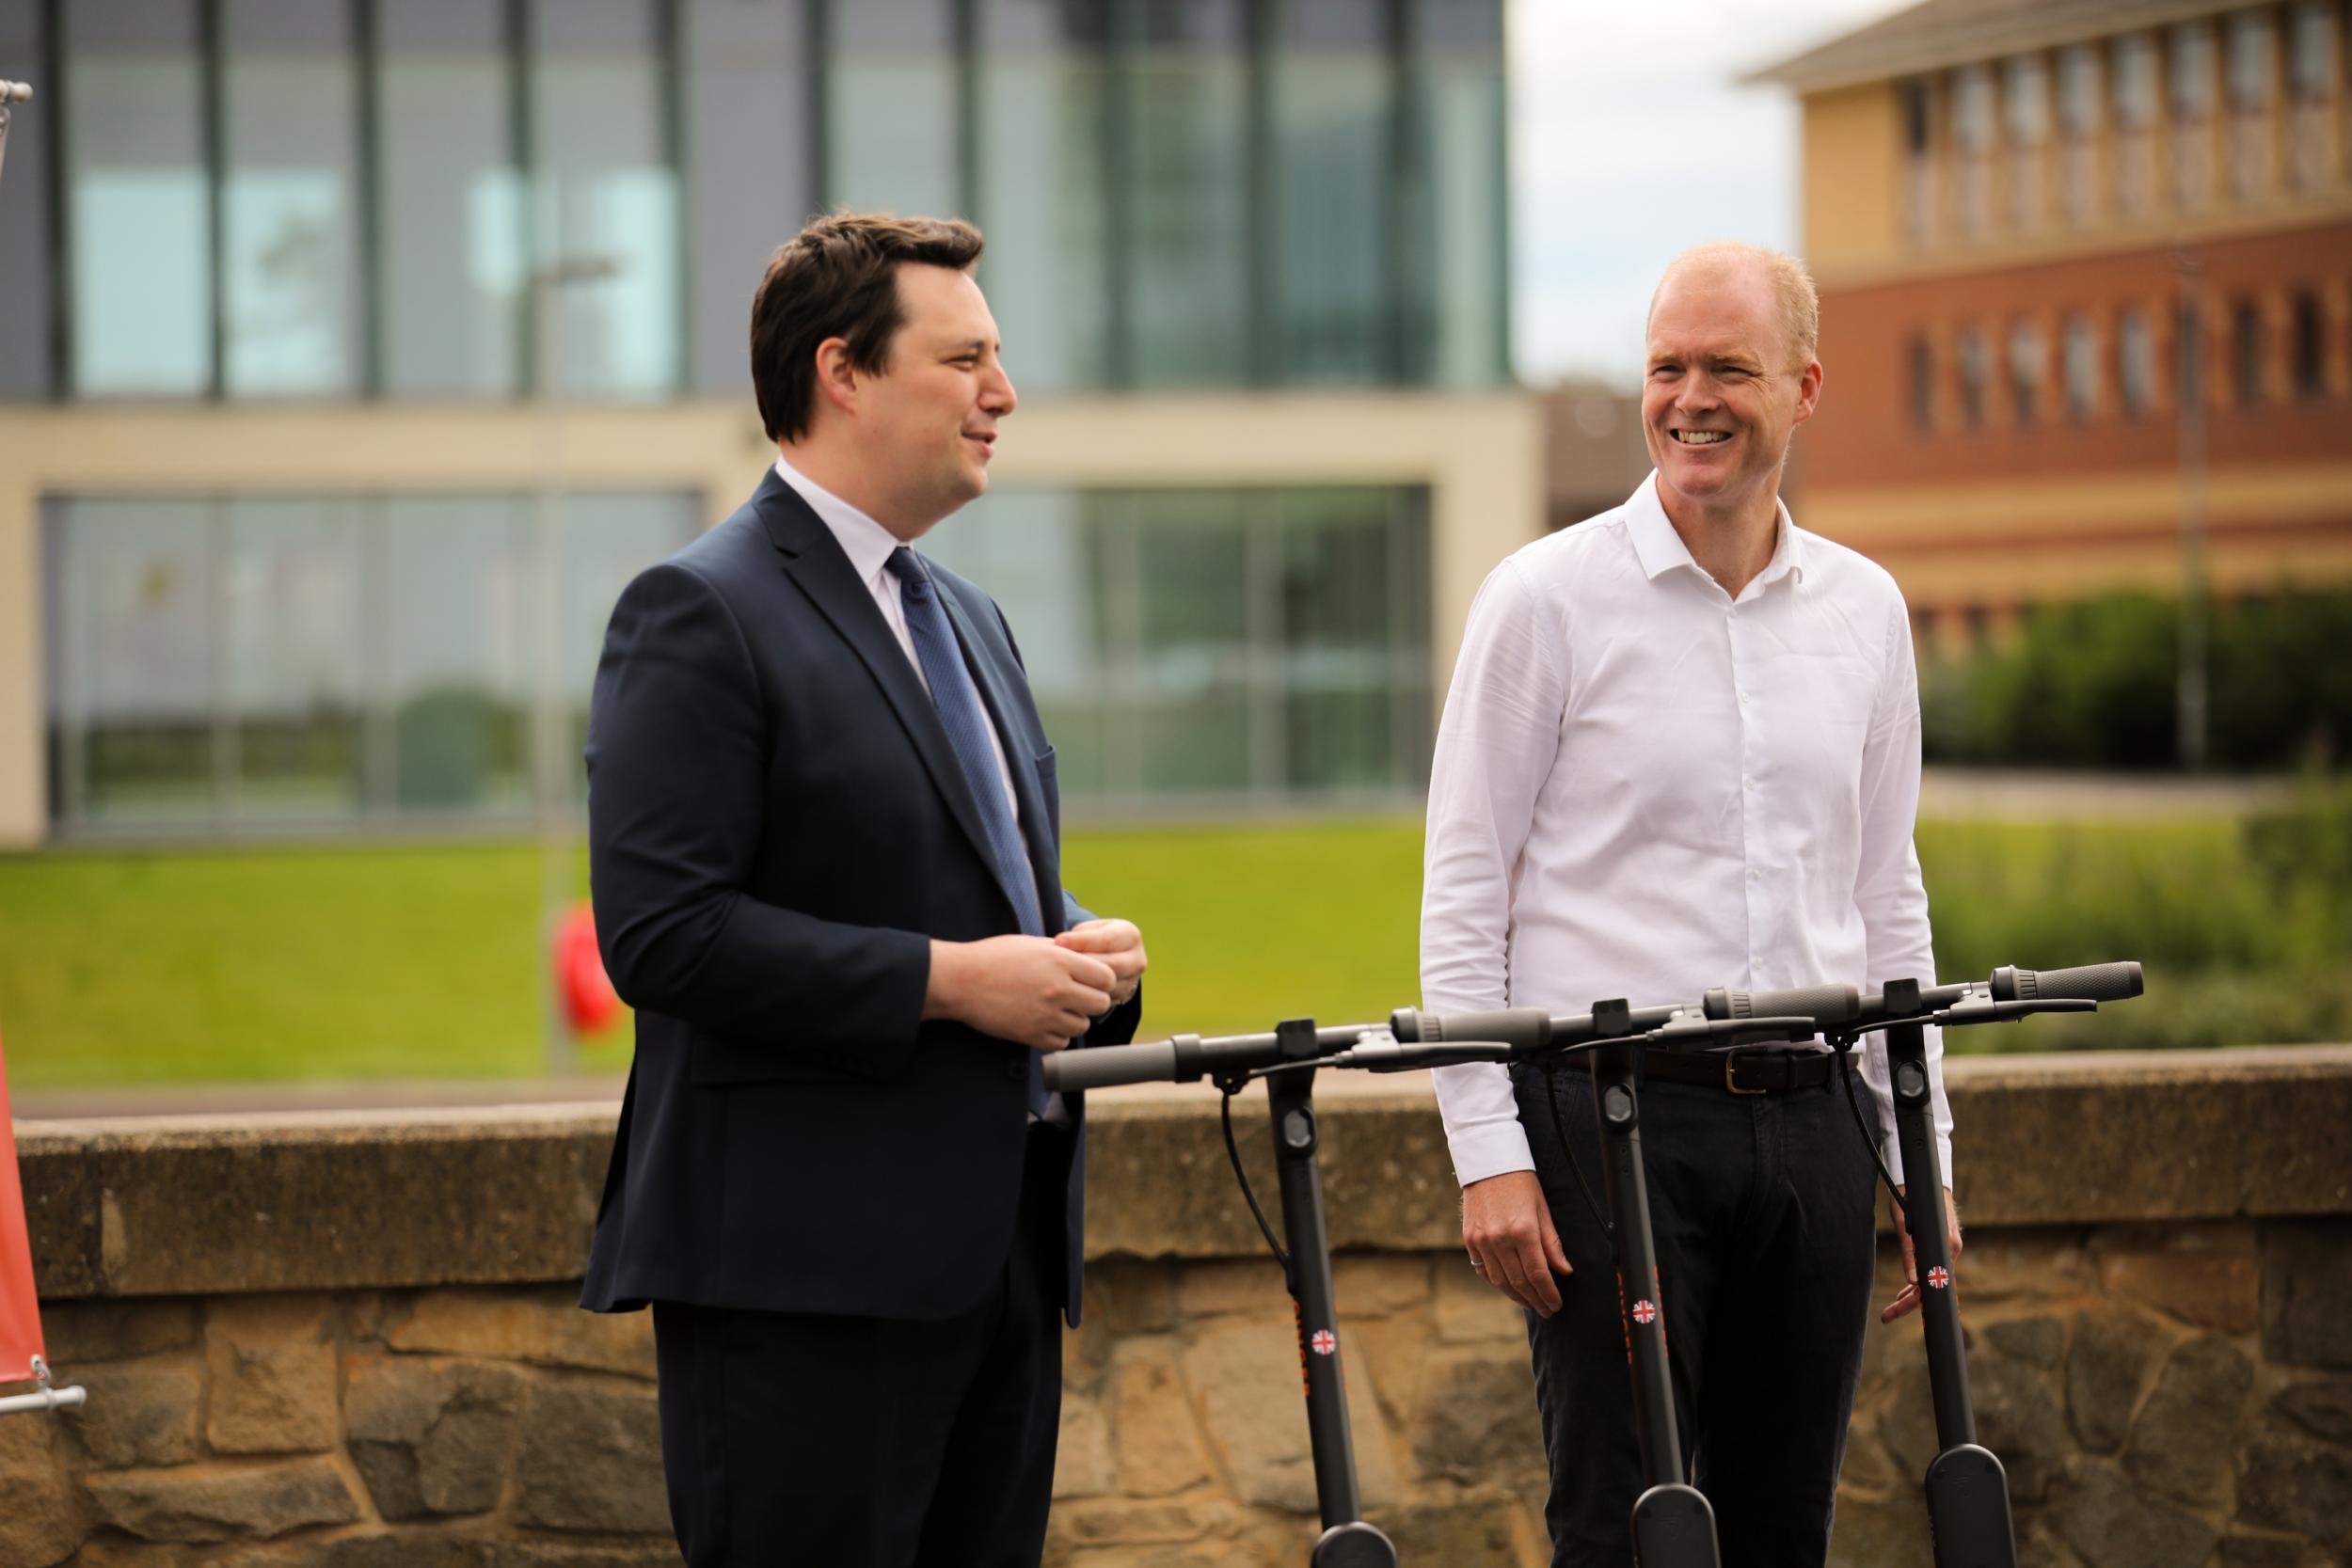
(1643, 788)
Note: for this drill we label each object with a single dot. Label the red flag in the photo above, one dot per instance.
(19, 1314)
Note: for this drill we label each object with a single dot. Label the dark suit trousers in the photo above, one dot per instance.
(791, 1439)
(1762, 1207)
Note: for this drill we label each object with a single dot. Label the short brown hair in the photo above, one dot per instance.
(838, 277)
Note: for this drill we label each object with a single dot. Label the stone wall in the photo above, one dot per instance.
(348, 1340)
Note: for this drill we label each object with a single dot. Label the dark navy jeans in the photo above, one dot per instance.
(1763, 1210)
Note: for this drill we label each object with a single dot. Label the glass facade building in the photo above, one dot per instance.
(250, 211)
(298, 199)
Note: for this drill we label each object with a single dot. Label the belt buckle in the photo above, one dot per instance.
(1731, 1063)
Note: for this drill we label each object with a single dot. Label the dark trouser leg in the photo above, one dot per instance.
(797, 1438)
(1784, 1346)
(997, 1474)
(1698, 1158)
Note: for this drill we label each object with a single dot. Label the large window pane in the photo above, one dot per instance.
(1045, 194)
(1342, 645)
(607, 540)
(1187, 261)
(290, 251)
(291, 608)
(254, 661)
(451, 235)
(142, 264)
(452, 704)
(891, 108)
(135, 610)
(1465, 162)
(607, 212)
(1036, 554)
(1193, 665)
(1332, 120)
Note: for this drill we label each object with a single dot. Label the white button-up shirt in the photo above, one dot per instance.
(1644, 788)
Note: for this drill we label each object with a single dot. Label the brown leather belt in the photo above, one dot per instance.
(1739, 1071)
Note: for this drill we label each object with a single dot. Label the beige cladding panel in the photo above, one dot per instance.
(1480, 457)
(1854, 151)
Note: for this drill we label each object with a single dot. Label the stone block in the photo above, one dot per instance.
(2287, 1481)
(2307, 1280)
(2271, 1551)
(1471, 1311)
(544, 1326)
(2112, 1524)
(273, 1375)
(1465, 1532)
(592, 1461)
(1083, 1466)
(1244, 1376)
(1157, 1439)
(1477, 1421)
(364, 1314)
(223, 1502)
(2010, 1265)
(2216, 1291)
(1132, 1297)
(41, 1519)
(1250, 1285)
(431, 1437)
(2017, 1417)
(2321, 1406)
(2039, 1341)
(1371, 1286)
(140, 1413)
(1125, 1522)
(78, 1332)
(2115, 1349)
(2180, 1445)
(1878, 1532)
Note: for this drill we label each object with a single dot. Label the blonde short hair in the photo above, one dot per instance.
(1792, 286)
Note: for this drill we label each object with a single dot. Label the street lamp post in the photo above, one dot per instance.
(2191, 399)
(552, 736)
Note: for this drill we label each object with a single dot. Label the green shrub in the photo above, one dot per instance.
(2095, 683)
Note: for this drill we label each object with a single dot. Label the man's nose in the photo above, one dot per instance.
(1698, 391)
(997, 396)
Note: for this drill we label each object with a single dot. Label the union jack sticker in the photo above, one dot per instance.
(1323, 1342)
(1645, 1313)
(1939, 1276)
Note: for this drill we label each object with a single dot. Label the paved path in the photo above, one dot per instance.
(1962, 793)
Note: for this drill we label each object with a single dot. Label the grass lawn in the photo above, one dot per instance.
(422, 961)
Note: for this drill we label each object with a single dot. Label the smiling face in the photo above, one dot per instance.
(927, 424)
(1724, 390)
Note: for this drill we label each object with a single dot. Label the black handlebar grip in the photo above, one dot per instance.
(1521, 1028)
(1823, 1003)
(2114, 982)
(1104, 1065)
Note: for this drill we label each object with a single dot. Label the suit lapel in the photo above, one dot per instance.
(814, 561)
(1044, 855)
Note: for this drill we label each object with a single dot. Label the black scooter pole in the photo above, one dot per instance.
(1347, 1540)
(1673, 1524)
(1968, 1513)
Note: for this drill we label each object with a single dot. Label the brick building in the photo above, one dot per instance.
(2021, 216)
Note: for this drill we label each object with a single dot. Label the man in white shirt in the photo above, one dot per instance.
(1681, 750)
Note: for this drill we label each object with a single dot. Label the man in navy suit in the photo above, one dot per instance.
(824, 841)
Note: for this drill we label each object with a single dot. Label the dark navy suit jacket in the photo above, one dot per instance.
(777, 827)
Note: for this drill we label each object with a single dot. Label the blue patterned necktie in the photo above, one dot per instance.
(968, 726)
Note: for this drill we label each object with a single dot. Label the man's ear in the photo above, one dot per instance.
(1808, 390)
(836, 377)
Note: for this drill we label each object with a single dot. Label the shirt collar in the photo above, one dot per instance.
(866, 541)
(1660, 549)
